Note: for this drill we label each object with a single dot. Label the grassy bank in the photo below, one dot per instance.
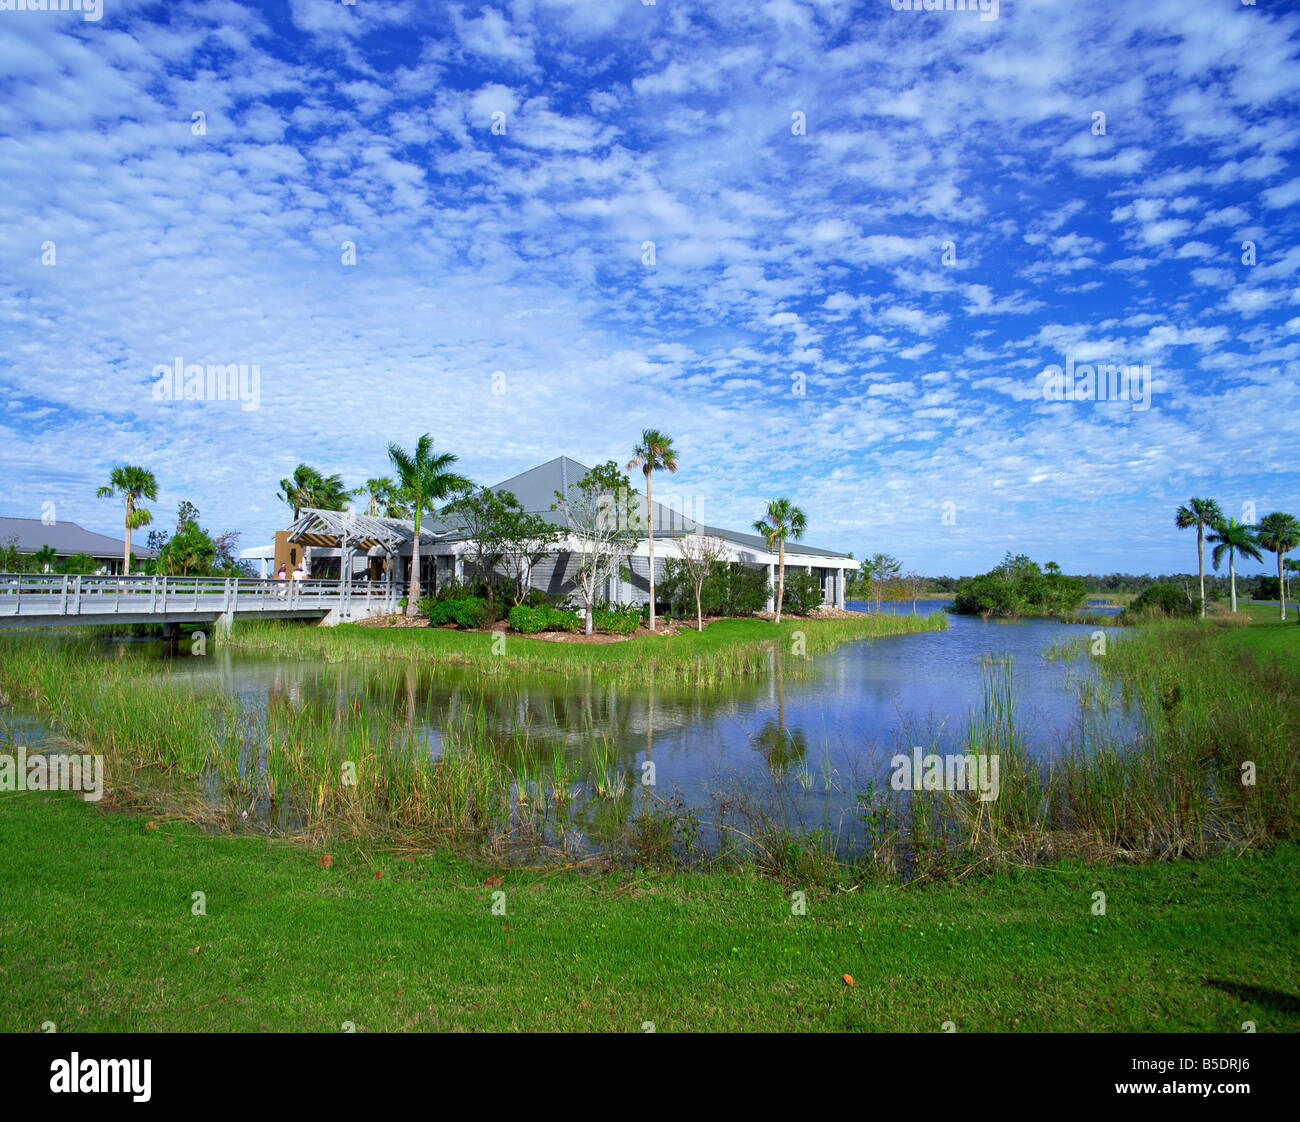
(721, 651)
(99, 935)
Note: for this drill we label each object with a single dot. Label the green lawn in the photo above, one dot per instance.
(723, 649)
(95, 917)
(1267, 638)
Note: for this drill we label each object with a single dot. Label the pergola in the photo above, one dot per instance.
(350, 532)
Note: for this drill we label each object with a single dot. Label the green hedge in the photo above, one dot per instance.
(729, 590)
(531, 621)
(471, 612)
(803, 592)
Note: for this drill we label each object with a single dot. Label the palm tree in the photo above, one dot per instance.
(381, 494)
(132, 484)
(308, 487)
(425, 478)
(782, 520)
(1279, 533)
(45, 558)
(1233, 538)
(1203, 514)
(654, 453)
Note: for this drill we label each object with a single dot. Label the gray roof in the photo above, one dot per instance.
(535, 489)
(67, 538)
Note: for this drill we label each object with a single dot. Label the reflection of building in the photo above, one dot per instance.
(30, 535)
(343, 543)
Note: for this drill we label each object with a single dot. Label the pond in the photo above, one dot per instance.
(812, 732)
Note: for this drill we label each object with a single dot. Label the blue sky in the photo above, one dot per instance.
(797, 324)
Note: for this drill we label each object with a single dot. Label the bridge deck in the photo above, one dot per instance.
(55, 600)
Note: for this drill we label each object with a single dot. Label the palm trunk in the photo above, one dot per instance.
(413, 588)
(126, 550)
(1232, 571)
(650, 527)
(1200, 564)
(780, 590)
(1281, 587)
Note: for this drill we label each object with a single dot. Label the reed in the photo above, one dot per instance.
(368, 752)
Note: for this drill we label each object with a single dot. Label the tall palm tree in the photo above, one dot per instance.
(782, 520)
(1233, 538)
(132, 484)
(1279, 533)
(425, 479)
(654, 453)
(1203, 514)
(308, 487)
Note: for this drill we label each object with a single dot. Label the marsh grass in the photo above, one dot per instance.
(359, 758)
(724, 650)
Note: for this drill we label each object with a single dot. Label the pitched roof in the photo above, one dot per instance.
(66, 538)
(535, 489)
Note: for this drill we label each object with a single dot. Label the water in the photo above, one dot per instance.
(819, 728)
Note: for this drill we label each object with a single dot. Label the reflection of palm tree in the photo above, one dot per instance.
(780, 746)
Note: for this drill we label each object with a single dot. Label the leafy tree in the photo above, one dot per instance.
(131, 484)
(877, 572)
(425, 478)
(1233, 538)
(1017, 587)
(1279, 533)
(654, 453)
(601, 516)
(782, 520)
(1203, 514)
(503, 533)
(44, 558)
(189, 552)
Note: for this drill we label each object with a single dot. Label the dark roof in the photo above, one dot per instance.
(67, 538)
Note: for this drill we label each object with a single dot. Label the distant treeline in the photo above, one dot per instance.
(1215, 586)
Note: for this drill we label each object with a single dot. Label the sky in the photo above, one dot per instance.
(830, 248)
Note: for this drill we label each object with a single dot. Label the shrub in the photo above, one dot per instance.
(616, 619)
(729, 590)
(803, 593)
(469, 612)
(531, 621)
(1163, 600)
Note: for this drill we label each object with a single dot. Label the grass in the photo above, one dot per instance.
(99, 936)
(723, 650)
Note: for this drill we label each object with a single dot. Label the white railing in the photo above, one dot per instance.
(57, 594)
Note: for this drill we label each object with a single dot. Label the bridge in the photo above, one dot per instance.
(58, 600)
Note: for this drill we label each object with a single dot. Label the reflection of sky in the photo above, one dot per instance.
(851, 708)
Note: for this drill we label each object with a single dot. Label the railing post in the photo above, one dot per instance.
(153, 593)
(63, 599)
(76, 598)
